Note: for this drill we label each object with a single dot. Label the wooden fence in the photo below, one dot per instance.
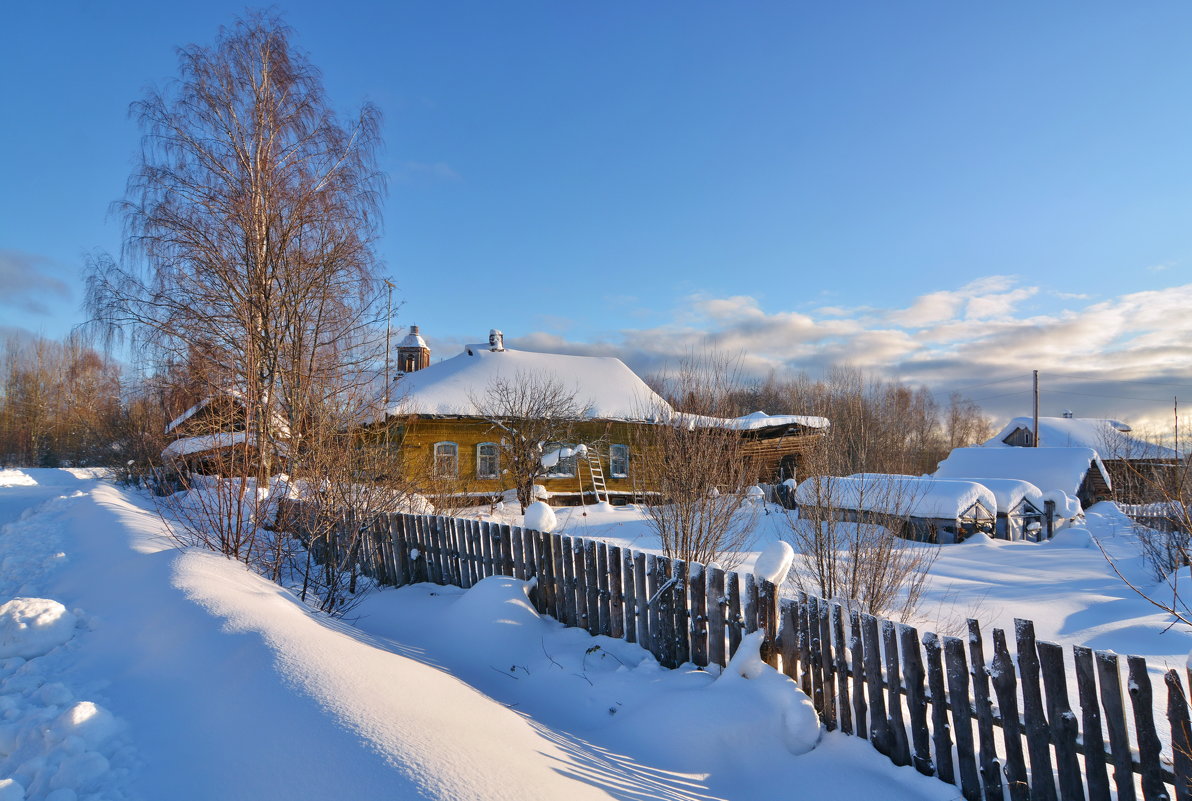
(999, 726)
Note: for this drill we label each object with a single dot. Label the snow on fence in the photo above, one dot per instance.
(997, 728)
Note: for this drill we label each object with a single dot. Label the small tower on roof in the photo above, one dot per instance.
(412, 352)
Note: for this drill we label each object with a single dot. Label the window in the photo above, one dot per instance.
(488, 460)
(565, 467)
(618, 461)
(446, 460)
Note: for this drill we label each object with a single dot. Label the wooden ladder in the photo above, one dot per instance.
(597, 474)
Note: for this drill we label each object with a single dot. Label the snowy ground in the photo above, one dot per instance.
(146, 672)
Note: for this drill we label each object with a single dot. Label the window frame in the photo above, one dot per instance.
(436, 471)
(554, 472)
(496, 456)
(612, 460)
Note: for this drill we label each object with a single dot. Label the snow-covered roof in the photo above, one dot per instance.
(189, 413)
(412, 339)
(279, 422)
(1111, 439)
(604, 385)
(1009, 492)
(207, 442)
(760, 420)
(913, 496)
(1047, 468)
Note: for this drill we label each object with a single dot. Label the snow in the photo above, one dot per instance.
(16, 478)
(541, 517)
(205, 442)
(903, 495)
(774, 562)
(1046, 468)
(1111, 439)
(32, 627)
(188, 677)
(1008, 492)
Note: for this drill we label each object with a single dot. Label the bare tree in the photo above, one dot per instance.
(249, 228)
(699, 466)
(527, 412)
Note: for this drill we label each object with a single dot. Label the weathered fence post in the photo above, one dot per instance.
(991, 769)
(940, 732)
(901, 751)
(1110, 680)
(1181, 735)
(962, 717)
(1149, 746)
(1063, 721)
(879, 725)
(916, 701)
(1038, 743)
(699, 615)
(857, 650)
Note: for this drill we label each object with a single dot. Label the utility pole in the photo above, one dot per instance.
(1036, 437)
(388, 335)
(1175, 409)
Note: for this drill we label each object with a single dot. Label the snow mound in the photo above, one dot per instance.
(495, 618)
(1066, 506)
(540, 517)
(31, 627)
(1073, 537)
(15, 478)
(801, 727)
(774, 562)
(88, 721)
(11, 790)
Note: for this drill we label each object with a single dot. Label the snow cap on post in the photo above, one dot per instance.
(496, 340)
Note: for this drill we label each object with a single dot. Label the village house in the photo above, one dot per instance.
(1137, 470)
(441, 418)
(211, 438)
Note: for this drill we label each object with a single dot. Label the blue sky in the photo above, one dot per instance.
(949, 193)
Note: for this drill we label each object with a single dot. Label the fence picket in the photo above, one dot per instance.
(767, 614)
(506, 550)
(860, 709)
(956, 667)
(679, 601)
(697, 583)
(789, 639)
(591, 586)
(1061, 718)
(879, 726)
(804, 634)
(916, 700)
(1091, 738)
(1181, 735)
(630, 589)
(1149, 746)
(991, 769)
(640, 590)
(734, 618)
(1109, 678)
(603, 594)
(817, 661)
(750, 603)
(844, 704)
(827, 666)
(616, 587)
(517, 555)
(940, 732)
(900, 753)
(1038, 741)
(717, 604)
(574, 597)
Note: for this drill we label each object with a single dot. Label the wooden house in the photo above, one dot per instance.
(1078, 472)
(211, 438)
(914, 507)
(443, 425)
(1137, 470)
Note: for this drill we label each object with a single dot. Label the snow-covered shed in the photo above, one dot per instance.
(1076, 471)
(441, 414)
(1021, 509)
(1138, 469)
(930, 510)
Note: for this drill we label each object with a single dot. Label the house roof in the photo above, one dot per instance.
(279, 422)
(1047, 468)
(603, 385)
(915, 496)
(1111, 439)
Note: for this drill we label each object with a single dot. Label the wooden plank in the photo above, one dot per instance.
(1149, 747)
(879, 726)
(940, 730)
(767, 620)
(570, 583)
(603, 594)
(452, 545)
(844, 703)
(789, 638)
(486, 548)
(476, 550)
(630, 589)
(425, 559)
(916, 699)
(991, 769)
(681, 631)
(750, 603)
(592, 582)
(1109, 679)
(517, 554)
(1181, 735)
(1091, 737)
(665, 605)
(1005, 687)
(857, 650)
(1061, 719)
(582, 613)
(616, 588)
(1038, 740)
(545, 572)
(817, 660)
(655, 580)
(558, 577)
(435, 544)
(900, 753)
(699, 615)
(506, 550)
(717, 606)
(401, 559)
(640, 590)
(804, 644)
(734, 618)
(956, 667)
(827, 665)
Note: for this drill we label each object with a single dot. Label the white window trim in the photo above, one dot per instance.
(497, 449)
(612, 472)
(435, 460)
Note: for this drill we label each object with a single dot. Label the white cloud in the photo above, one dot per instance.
(1125, 356)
